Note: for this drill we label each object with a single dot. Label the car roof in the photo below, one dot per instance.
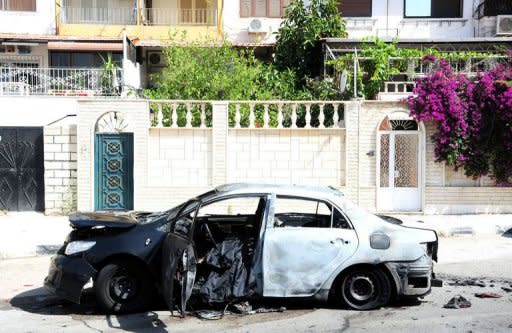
(279, 189)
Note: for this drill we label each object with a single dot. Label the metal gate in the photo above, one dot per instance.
(113, 171)
(21, 169)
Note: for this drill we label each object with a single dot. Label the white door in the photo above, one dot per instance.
(398, 187)
(306, 241)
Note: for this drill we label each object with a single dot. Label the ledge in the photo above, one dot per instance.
(431, 21)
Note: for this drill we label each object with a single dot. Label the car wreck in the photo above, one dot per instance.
(243, 242)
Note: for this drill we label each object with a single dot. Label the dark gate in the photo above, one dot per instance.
(113, 175)
(21, 169)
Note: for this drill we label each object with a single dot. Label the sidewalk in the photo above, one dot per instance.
(31, 234)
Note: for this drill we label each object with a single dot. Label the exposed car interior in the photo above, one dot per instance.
(225, 237)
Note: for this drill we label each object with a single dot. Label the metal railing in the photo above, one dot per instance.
(96, 15)
(60, 81)
(493, 8)
(249, 114)
(167, 16)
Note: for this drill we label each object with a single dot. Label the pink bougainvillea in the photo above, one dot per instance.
(473, 118)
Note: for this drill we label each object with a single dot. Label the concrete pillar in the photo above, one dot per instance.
(352, 132)
(219, 142)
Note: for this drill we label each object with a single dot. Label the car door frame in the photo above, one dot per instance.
(181, 244)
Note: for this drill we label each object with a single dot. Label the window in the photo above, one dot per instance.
(18, 5)
(433, 8)
(358, 8)
(263, 8)
(232, 207)
(82, 59)
(307, 213)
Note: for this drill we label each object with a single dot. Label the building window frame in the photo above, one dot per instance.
(461, 12)
(4, 7)
(283, 4)
(343, 14)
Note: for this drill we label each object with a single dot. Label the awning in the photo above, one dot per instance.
(80, 46)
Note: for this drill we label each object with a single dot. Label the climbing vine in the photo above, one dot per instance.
(473, 118)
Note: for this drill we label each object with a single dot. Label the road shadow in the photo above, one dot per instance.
(39, 301)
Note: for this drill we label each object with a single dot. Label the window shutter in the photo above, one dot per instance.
(245, 8)
(274, 8)
(285, 4)
(355, 8)
(260, 8)
(21, 5)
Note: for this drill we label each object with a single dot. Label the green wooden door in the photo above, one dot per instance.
(113, 172)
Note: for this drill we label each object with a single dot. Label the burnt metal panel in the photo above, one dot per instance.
(21, 169)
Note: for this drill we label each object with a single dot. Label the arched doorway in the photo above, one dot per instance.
(399, 164)
(113, 165)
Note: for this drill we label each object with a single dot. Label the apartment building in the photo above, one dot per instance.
(257, 22)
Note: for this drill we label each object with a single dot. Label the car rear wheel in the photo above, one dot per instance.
(365, 288)
(122, 286)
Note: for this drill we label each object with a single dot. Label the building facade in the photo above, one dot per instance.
(74, 135)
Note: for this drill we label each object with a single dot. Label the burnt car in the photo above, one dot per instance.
(247, 242)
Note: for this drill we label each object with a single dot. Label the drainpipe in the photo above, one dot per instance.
(387, 17)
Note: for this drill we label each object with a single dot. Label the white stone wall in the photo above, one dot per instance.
(179, 157)
(174, 164)
(42, 21)
(60, 169)
(287, 156)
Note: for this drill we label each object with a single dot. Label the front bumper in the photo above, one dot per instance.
(67, 277)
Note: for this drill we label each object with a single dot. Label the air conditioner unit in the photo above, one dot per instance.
(156, 58)
(504, 25)
(256, 26)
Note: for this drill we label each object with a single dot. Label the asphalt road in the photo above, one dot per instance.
(26, 307)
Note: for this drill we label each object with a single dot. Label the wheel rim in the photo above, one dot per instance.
(123, 287)
(361, 288)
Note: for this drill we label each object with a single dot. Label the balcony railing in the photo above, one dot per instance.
(93, 15)
(60, 81)
(128, 16)
(166, 16)
(250, 114)
(493, 8)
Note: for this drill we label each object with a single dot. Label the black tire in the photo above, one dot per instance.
(364, 288)
(123, 286)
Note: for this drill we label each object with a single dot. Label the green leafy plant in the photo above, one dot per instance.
(298, 46)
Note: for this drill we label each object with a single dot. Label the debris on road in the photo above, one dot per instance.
(457, 302)
(507, 289)
(242, 308)
(487, 295)
(468, 282)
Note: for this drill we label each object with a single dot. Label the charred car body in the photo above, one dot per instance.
(243, 241)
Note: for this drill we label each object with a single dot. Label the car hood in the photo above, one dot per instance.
(81, 220)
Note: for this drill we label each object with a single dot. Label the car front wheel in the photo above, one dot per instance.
(123, 287)
(365, 288)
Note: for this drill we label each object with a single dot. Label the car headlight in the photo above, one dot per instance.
(78, 246)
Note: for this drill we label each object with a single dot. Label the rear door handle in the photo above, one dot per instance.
(339, 240)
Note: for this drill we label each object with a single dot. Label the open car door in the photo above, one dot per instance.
(179, 258)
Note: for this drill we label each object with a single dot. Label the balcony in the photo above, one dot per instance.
(60, 81)
(114, 16)
(172, 17)
(141, 22)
